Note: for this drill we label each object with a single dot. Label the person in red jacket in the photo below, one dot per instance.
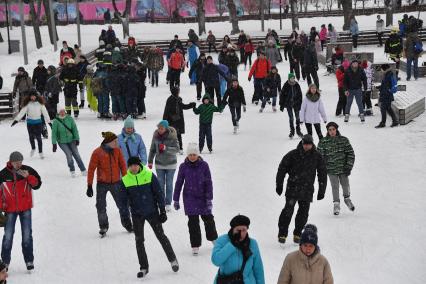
(340, 76)
(16, 184)
(259, 70)
(108, 161)
(248, 51)
(176, 65)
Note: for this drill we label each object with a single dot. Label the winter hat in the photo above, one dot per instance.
(133, 161)
(291, 75)
(163, 123)
(21, 69)
(40, 61)
(209, 57)
(108, 137)
(307, 139)
(174, 91)
(192, 149)
(129, 123)
(16, 157)
(332, 124)
(309, 235)
(240, 220)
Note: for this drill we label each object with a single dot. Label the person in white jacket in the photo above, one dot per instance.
(380, 28)
(312, 111)
(33, 106)
(366, 98)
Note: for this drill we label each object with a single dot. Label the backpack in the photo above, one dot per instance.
(418, 47)
(97, 85)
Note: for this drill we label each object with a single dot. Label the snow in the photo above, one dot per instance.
(381, 242)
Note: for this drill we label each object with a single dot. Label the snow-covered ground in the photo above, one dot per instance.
(381, 242)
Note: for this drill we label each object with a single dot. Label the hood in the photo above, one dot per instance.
(207, 96)
(193, 164)
(171, 132)
(302, 151)
(313, 97)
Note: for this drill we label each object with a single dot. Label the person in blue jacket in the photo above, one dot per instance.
(193, 54)
(237, 255)
(131, 143)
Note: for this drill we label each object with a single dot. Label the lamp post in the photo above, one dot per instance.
(9, 50)
(24, 37)
(53, 26)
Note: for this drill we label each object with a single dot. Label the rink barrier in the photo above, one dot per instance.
(8, 105)
(408, 106)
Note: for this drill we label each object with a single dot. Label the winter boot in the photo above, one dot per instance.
(142, 273)
(127, 224)
(235, 129)
(296, 239)
(76, 113)
(298, 132)
(346, 117)
(282, 239)
(336, 209)
(175, 265)
(362, 117)
(30, 265)
(81, 104)
(261, 110)
(291, 135)
(381, 125)
(103, 232)
(395, 123)
(195, 251)
(348, 203)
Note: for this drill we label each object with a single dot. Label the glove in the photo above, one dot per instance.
(249, 79)
(162, 148)
(209, 204)
(193, 104)
(89, 191)
(281, 108)
(320, 196)
(77, 142)
(163, 217)
(279, 190)
(244, 108)
(13, 123)
(50, 124)
(55, 147)
(32, 180)
(176, 205)
(150, 166)
(316, 68)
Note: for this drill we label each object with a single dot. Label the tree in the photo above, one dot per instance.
(233, 17)
(46, 4)
(201, 14)
(262, 14)
(347, 13)
(124, 16)
(35, 19)
(294, 15)
(390, 6)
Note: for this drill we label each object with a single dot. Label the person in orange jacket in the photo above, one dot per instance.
(176, 66)
(108, 161)
(259, 70)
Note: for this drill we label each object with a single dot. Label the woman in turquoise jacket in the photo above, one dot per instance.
(232, 249)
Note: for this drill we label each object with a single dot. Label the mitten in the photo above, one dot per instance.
(77, 142)
(163, 217)
(161, 148)
(89, 191)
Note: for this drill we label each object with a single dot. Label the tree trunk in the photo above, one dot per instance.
(201, 14)
(294, 15)
(36, 25)
(233, 17)
(49, 21)
(389, 12)
(124, 17)
(347, 13)
(1, 38)
(262, 14)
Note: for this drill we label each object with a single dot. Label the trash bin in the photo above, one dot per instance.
(14, 45)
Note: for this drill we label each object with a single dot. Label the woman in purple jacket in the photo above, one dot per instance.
(197, 196)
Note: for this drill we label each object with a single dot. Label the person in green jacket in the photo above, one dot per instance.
(206, 110)
(339, 157)
(65, 133)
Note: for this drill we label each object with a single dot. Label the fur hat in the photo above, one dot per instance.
(192, 149)
(108, 137)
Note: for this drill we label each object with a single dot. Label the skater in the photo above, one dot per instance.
(353, 82)
(387, 88)
(235, 99)
(155, 63)
(92, 101)
(70, 76)
(332, 34)
(380, 28)
(248, 52)
(22, 180)
(211, 41)
(272, 87)
(65, 53)
(301, 165)
(206, 111)
(197, 196)
(164, 148)
(394, 48)
(140, 100)
(323, 36)
(311, 110)
(82, 71)
(297, 53)
(354, 31)
(307, 264)
(310, 64)
(413, 49)
(140, 189)
(40, 76)
(340, 76)
(115, 81)
(22, 85)
(210, 78)
(51, 92)
(366, 96)
(173, 113)
(131, 143)
(33, 107)
(65, 133)
(197, 68)
(259, 70)
(101, 90)
(232, 62)
(272, 53)
(193, 54)
(108, 162)
(176, 66)
(242, 40)
(291, 98)
(237, 255)
(339, 159)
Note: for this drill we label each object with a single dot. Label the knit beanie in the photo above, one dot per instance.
(163, 123)
(192, 149)
(174, 91)
(133, 161)
(309, 235)
(240, 220)
(307, 139)
(291, 75)
(129, 123)
(16, 157)
(108, 137)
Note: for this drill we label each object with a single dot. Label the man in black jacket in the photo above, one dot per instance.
(301, 165)
(210, 78)
(353, 82)
(198, 68)
(40, 76)
(311, 64)
(70, 76)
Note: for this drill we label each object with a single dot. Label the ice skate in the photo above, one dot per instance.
(348, 203)
(195, 251)
(336, 209)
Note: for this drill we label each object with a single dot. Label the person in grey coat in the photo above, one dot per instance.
(272, 53)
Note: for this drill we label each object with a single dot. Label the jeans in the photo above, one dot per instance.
(101, 192)
(165, 178)
(223, 87)
(195, 230)
(287, 214)
(205, 134)
(415, 63)
(344, 181)
(138, 226)
(317, 129)
(291, 118)
(71, 150)
(264, 99)
(235, 114)
(358, 98)
(118, 104)
(103, 102)
(341, 104)
(34, 133)
(154, 78)
(27, 236)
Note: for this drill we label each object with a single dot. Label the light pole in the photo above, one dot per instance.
(281, 18)
(9, 50)
(77, 6)
(53, 26)
(24, 37)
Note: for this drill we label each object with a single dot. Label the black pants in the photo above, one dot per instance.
(210, 47)
(199, 90)
(71, 105)
(174, 78)
(355, 41)
(235, 114)
(287, 214)
(34, 133)
(242, 54)
(366, 100)
(141, 102)
(298, 68)
(312, 73)
(138, 226)
(379, 37)
(323, 42)
(317, 129)
(247, 57)
(293, 114)
(211, 91)
(387, 108)
(195, 230)
(341, 104)
(205, 133)
(179, 137)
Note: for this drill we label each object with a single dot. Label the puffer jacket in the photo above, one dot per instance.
(166, 159)
(273, 83)
(234, 97)
(22, 83)
(34, 111)
(62, 134)
(291, 96)
(109, 165)
(312, 108)
(338, 154)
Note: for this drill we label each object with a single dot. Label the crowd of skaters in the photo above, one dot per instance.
(123, 165)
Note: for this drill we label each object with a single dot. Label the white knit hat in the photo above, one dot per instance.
(192, 149)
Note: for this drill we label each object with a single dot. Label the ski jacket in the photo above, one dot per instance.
(248, 47)
(260, 68)
(132, 145)
(53, 86)
(16, 191)
(64, 130)
(393, 45)
(229, 259)
(70, 76)
(109, 165)
(312, 108)
(193, 53)
(386, 94)
(206, 111)
(355, 80)
(198, 188)
(234, 97)
(301, 269)
(176, 61)
(39, 78)
(323, 34)
(143, 193)
(197, 68)
(232, 61)
(291, 96)
(210, 75)
(34, 111)
(354, 28)
(22, 83)
(273, 83)
(166, 159)
(301, 168)
(298, 51)
(340, 76)
(173, 113)
(338, 154)
(242, 39)
(273, 55)
(310, 61)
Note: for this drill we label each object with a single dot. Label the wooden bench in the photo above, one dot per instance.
(408, 105)
(326, 59)
(8, 105)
